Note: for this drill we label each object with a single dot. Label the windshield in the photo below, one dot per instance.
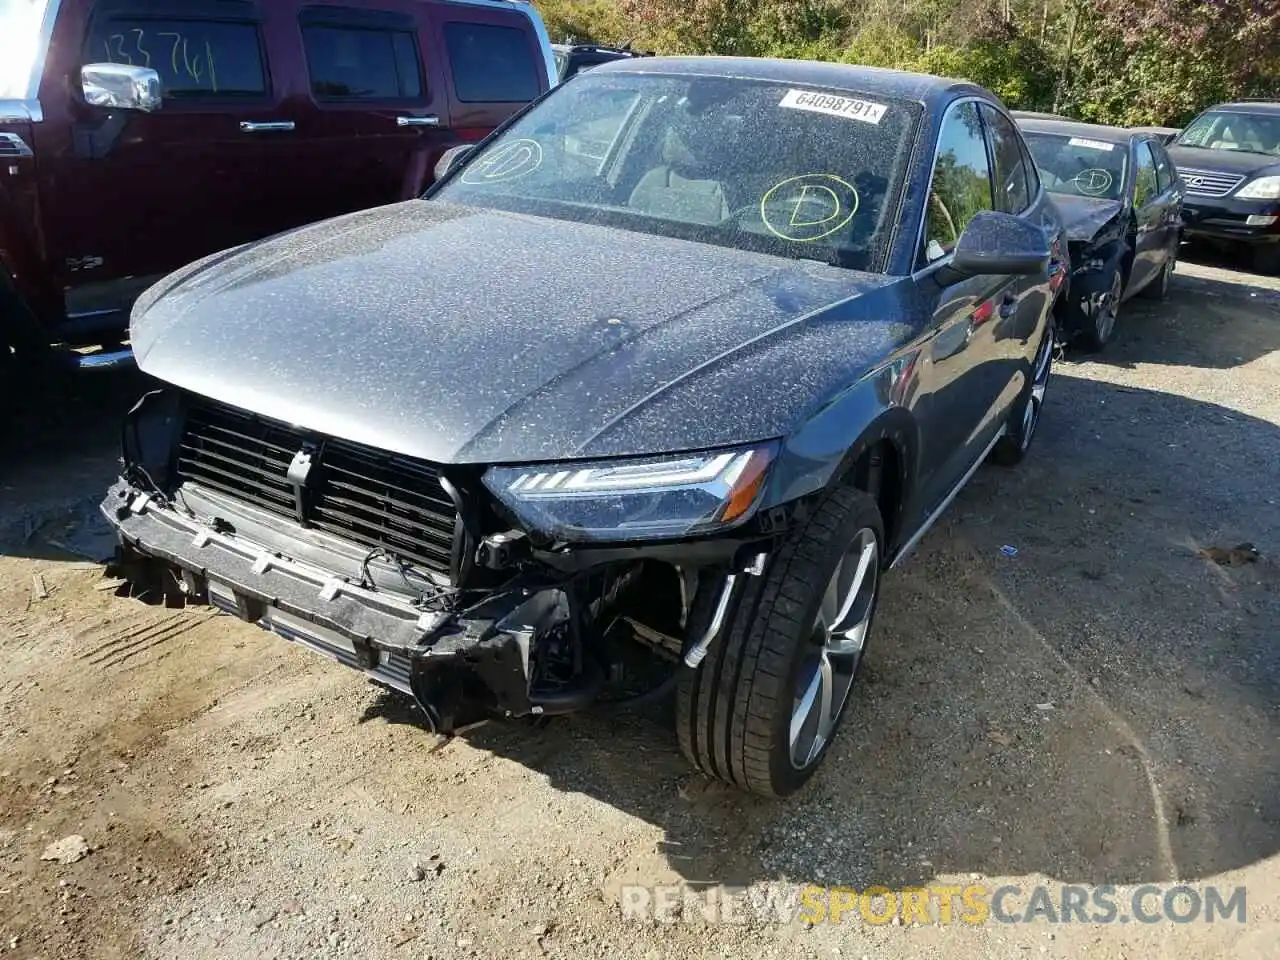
(1079, 166)
(1228, 130)
(19, 44)
(747, 164)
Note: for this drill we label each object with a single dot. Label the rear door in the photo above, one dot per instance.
(1151, 213)
(957, 421)
(494, 65)
(378, 115)
(1170, 200)
(137, 194)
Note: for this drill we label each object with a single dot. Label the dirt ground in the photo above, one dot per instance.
(1102, 707)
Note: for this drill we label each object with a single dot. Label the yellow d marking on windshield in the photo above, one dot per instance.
(836, 201)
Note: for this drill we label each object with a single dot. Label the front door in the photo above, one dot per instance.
(134, 194)
(961, 362)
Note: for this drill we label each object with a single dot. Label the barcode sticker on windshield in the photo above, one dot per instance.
(836, 106)
(1091, 144)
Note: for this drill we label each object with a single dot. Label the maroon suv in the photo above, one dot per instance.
(139, 135)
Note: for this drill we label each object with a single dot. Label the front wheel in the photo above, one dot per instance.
(1102, 318)
(761, 711)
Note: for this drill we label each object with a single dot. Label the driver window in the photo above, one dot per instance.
(1147, 186)
(961, 185)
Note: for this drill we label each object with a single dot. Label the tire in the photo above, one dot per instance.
(1101, 323)
(1011, 449)
(1266, 258)
(1158, 289)
(734, 713)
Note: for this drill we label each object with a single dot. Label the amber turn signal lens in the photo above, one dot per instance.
(747, 487)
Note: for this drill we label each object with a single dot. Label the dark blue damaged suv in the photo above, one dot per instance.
(643, 398)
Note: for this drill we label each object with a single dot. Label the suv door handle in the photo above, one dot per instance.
(273, 126)
(428, 121)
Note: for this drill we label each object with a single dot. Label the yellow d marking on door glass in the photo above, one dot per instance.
(837, 199)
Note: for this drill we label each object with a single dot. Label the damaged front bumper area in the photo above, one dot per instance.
(534, 645)
(394, 640)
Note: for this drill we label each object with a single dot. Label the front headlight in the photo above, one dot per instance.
(1264, 188)
(653, 498)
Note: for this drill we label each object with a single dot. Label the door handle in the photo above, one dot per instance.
(428, 121)
(1008, 305)
(271, 126)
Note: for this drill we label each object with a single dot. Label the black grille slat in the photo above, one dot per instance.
(425, 504)
(230, 450)
(205, 473)
(360, 483)
(365, 496)
(202, 454)
(377, 513)
(420, 551)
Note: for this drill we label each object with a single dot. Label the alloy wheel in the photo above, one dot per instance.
(836, 641)
(1109, 308)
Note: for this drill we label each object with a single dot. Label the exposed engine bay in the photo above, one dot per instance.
(409, 572)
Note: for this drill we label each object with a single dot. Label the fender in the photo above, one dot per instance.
(876, 409)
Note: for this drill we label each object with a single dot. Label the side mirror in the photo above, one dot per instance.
(999, 243)
(120, 87)
(451, 159)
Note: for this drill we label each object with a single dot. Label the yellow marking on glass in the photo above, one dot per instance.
(841, 223)
(800, 201)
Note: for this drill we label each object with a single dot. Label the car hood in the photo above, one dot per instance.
(1084, 217)
(460, 335)
(1222, 161)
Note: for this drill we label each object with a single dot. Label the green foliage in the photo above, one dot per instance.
(1109, 61)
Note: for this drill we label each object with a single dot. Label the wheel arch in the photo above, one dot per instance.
(881, 458)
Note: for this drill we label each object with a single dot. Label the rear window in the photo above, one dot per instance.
(491, 64)
(195, 58)
(356, 63)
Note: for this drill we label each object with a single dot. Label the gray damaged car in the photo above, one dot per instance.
(640, 402)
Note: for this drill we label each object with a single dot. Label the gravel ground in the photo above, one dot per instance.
(1102, 707)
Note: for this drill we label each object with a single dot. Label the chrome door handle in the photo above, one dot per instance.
(273, 126)
(428, 121)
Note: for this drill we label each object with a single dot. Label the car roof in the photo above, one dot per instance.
(1078, 128)
(1269, 107)
(842, 76)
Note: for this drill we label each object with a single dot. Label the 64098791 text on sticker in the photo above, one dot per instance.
(833, 105)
